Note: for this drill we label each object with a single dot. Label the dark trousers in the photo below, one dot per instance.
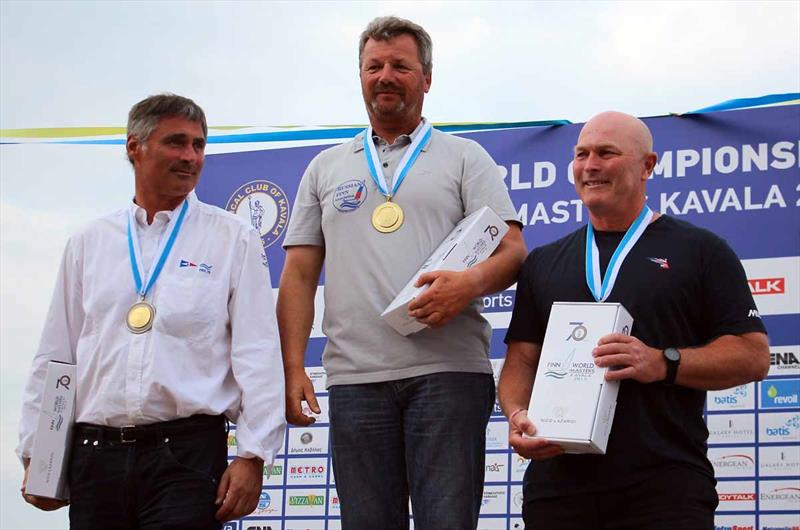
(424, 436)
(166, 478)
(674, 498)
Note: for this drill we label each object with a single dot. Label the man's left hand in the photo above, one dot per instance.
(448, 294)
(240, 488)
(629, 358)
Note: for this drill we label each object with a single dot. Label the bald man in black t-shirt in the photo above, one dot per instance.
(696, 328)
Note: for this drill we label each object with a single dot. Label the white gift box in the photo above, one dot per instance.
(471, 242)
(572, 404)
(47, 471)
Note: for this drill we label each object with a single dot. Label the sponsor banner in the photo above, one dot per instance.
(731, 428)
(737, 462)
(497, 366)
(308, 440)
(273, 475)
(519, 465)
(780, 393)
(737, 398)
(334, 507)
(775, 284)
(493, 523)
(231, 525)
(783, 521)
(322, 417)
(494, 500)
(496, 467)
(516, 499)
(779, 461)
(232, 447)
(734, 522)
(305, 471)
(260, 525)
(270, 503)
(736, 496)
(307, 524)
(497, 435)
(784, 360)
(334, 524)
(305, 502)
(779, 495)
(318, 378)
(779, 427)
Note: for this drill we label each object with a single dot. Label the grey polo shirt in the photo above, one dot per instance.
(365, 269)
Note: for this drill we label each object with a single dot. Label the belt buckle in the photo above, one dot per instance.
(122, 434)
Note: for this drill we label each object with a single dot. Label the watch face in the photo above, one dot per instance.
(672, 354)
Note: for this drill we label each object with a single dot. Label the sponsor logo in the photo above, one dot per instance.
(264, 205)
(777, 461)
(64, 381)
(734, 461)
(350, 195)
(738, 397)
(661, 262)
(767, 285)
(731, 428)
(202, 267)
(784, 363)
(306, 438)
(782, 393)
(492, 230)
(733, 527)
(753, 313)
(727, 497)
(789, 495)
(275, 470)
(306, 500)
(259, 527)
(779, 427)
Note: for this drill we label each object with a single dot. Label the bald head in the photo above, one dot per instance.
(622, 128)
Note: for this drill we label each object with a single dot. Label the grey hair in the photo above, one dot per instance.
(385, 28)
(145, 115)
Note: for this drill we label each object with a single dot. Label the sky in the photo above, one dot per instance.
(81, 64)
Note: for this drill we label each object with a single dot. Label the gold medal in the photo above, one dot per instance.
(140, 317)
(387, 217)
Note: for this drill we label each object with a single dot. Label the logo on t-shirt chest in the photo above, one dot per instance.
(350, 195)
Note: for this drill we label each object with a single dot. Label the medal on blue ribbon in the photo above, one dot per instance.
(601, 287)
(141, 314)
(388, 216)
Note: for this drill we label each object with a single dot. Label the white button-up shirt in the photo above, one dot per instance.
(213, 348)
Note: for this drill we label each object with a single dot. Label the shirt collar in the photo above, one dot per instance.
(163, 216)
(358, 141)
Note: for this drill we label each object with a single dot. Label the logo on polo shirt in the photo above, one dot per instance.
(349, 195)
(264, 205)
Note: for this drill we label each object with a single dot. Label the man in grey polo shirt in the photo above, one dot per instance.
(408, 414)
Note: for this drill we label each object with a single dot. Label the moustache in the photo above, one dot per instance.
(388, 88)
(191, 168)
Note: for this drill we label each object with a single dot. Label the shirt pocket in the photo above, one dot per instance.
(189, 308)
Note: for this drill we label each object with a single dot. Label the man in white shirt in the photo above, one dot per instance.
(166, 309)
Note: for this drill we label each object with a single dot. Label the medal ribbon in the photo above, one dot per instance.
(410, 156)
(601, 288)
(161, 255)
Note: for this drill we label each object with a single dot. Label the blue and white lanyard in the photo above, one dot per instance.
(160, 257)
(410, 156)
(601, 288)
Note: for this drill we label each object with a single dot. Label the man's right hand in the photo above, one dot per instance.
(299, 389)
(42, 503)
(532, 448)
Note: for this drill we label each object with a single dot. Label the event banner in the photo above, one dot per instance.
(736, 173)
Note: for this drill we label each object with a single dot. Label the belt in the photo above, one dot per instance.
(145, 434)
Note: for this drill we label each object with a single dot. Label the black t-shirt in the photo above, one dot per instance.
(684, 287)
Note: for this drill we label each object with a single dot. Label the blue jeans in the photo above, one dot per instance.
(424, 436)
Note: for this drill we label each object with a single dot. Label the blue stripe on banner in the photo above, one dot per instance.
(743, 103)
(328, 134)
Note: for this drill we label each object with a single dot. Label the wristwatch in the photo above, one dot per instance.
(673, 358)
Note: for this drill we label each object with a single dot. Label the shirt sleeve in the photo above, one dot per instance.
(256, 356)
(482, 184)
(305, 224)
(729, 305)
(58, 342)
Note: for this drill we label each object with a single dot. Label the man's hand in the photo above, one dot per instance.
(42, 503)
(239, 488)
(448, 294)
(534, 449)
(298, 389)
(630, 358)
